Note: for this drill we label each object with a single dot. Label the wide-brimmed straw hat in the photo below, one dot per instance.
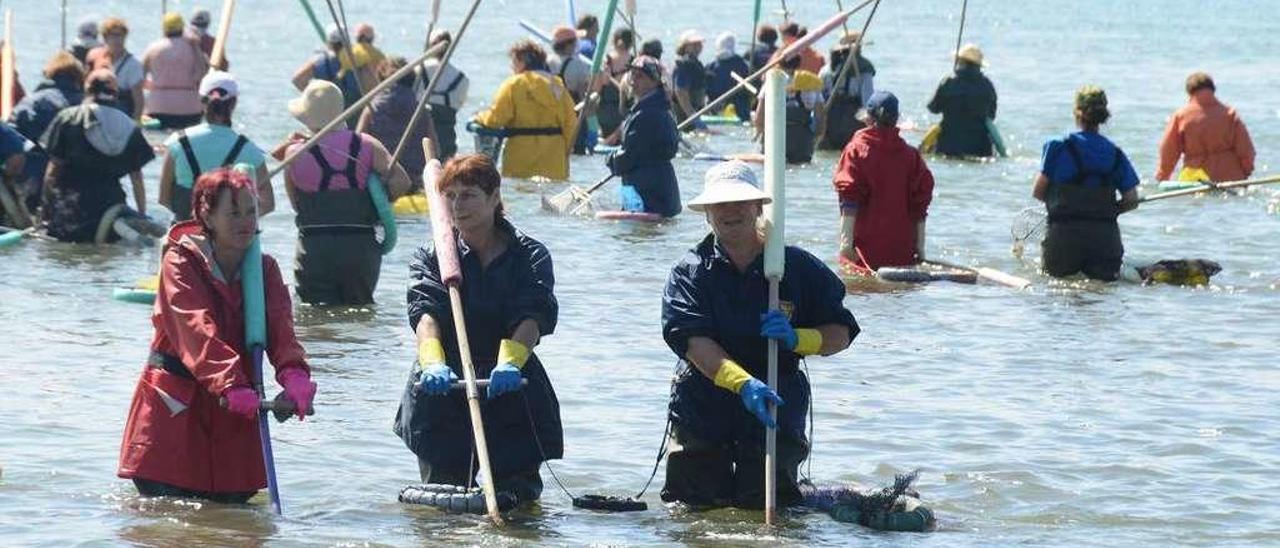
(729, 182)
(318, 105)
(971, 53)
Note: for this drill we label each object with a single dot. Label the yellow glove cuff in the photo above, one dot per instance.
(808, 341)
(731, 376)
(513, 352)
(430, 351)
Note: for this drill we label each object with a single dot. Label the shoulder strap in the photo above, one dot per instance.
(234, 153)
(457, 81)
(190, 153)
(564, 65)
(326, 171)
(353, 161)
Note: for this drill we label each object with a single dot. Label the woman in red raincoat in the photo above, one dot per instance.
(191, 430)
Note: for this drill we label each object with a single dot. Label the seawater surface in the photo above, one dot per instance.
(1071, 413)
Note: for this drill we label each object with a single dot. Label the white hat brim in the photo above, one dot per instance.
(729, 192)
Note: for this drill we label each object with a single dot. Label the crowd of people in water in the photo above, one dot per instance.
(73, 138)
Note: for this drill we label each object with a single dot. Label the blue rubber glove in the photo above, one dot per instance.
(755, 396)
(436, 379)
(504, 378)
(631, 200)
(775, 325)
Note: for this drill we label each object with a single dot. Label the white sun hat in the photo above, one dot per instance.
(732, 181)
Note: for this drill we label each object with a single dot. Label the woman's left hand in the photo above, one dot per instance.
(298, 388)
(504, 378)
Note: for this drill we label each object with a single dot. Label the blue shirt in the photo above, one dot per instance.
(1097, 154)
(211, 143)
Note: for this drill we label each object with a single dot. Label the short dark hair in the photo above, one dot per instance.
(790, 28)
(625, 36)
(1198, 81)
(475, 170)
(588, 21)
(767, 34)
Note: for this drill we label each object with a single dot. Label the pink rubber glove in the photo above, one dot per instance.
(298, 388)
(242, 401)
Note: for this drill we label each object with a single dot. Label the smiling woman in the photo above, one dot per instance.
(509, 305)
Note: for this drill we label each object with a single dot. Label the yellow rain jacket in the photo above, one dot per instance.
(533, 100)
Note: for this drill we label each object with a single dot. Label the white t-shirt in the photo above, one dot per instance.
(454, 98)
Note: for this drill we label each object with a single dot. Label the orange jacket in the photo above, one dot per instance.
(1208, 135)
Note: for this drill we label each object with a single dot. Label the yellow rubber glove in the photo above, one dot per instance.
(731, 376)
(513, 352)
(808, 341)
(430, 352)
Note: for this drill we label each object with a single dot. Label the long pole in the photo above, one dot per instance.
(755, 28)
(850, 60)
(63, 12)
(775, 170)
(431, 23)
(219, 53)
(795, 48)
(451, 276)
(315, 22)
(964, 9)
(353, 109)
(431, 84)
(9, 76)
(588, 107)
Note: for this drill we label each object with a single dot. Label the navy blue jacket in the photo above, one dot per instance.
(516, 286)
(965, 101)
(706, 296)
(649, 142)
(32, 116)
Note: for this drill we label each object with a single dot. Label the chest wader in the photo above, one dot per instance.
(338, 259)
(799, 131)
(842, 121)
(1083, 235)
(609, 113)
(181, 203)
(445, 119)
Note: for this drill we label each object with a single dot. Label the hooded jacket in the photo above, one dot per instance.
(177, 432)
(533, 99)
(891, 186)
(1207, 135)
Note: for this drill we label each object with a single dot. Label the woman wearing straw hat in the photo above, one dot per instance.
(510, 305)
(1080, 176)
(536, 111)
(966, 100)
(689, 76)
(840, 122)
(339, 259)
(715, 318)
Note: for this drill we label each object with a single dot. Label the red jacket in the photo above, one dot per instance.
(892, 187)
(177, 433)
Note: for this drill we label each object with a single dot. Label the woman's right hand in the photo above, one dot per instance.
(436, 379)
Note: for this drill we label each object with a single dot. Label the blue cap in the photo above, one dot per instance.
(883, 106)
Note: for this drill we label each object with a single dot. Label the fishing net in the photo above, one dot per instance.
(1028, 225)
(454, 498)
(893, 508)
